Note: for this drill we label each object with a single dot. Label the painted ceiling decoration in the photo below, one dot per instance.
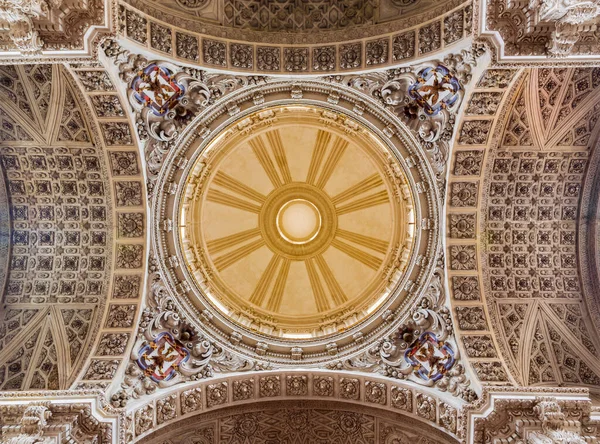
(366, 221)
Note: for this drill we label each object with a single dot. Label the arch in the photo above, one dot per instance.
(396, 400)
(299, 422)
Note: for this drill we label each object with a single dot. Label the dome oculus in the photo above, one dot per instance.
(298, 221)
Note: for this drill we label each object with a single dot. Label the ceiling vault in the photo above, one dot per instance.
(366, 221)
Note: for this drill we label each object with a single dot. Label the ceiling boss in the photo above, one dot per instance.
(295, 223)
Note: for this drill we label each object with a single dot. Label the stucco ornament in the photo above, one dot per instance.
(170, 350)
(18, 14)
(422, 349)
(426, 98)
(54, 421)
(568, 16)
(556, 429)
(34, 421)
(165, 98)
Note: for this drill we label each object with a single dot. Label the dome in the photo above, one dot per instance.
(296, 222)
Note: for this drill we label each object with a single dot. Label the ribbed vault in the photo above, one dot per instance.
(516, 190)
(63, 228)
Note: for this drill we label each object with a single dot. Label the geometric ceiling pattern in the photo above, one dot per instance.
(285, 422)
(367, 221)
(524, 292)
(63, 244)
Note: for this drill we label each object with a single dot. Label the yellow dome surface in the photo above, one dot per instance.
(294, 222)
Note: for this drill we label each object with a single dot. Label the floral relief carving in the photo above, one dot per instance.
(350, 55)
(402, 399)
(403, 46)
(350, 388)
(123, 163)
(216, 394)
(375, 392)
(453, 27)
(128, 193)
(469, 20)
(463, 194)
(268, 58)
(377, 52)
(161, 38)
(215, 52)
(295, 59)
(462, 226)
(243, 389)
(113, 344)
(191, 400)
(324, 58)
(116, 133)
(120, 316)
(468, 163)
(463, 257)
(269, 386)
(475, 132)
(95, 80)
(323, 385)
(102, 369)
(144, 419)
(126, 286)
(186, 46)
(241, 56)
(448, 417)
(166, 409)
(136, 26)
(471, 318)
(479, 346)
(107, 106)
(130, 225)
(129, 256)
(496, 78)
(484, 103)
(430, 38)
(296, 385)
(490, 371)
(426, 407)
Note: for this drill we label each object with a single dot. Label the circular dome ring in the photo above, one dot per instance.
(199, 298)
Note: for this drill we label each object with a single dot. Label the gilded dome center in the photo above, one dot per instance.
(298, 221)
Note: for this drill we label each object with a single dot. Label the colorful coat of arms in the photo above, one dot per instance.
(435, 89)
(155, 88)
(430, 357)
(160, 359)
